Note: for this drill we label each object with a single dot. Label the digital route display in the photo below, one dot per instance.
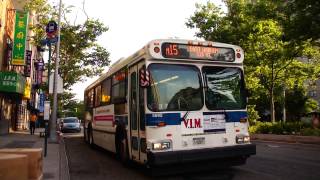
(197, 52)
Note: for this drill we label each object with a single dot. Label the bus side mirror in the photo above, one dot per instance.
(144, 77)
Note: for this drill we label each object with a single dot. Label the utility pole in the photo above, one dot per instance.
(46, 121)
(53, 135)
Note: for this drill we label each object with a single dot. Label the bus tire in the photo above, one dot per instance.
(90, 136)
(85, 134)
(124, 154)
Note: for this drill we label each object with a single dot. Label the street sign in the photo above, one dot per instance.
(59, 84)
(51, 27)
(46, 115)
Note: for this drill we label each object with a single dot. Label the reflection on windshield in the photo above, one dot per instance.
(174, 87)
(70, 120)
(225, 88)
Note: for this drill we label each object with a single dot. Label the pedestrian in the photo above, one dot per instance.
(33, 120)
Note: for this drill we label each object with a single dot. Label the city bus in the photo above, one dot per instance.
(172, 102)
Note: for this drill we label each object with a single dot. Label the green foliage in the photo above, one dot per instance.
(253, 115)
(310, 132)
(262, 30)
(70, 106)
(294, 128)
(304, 19)
(80, 54)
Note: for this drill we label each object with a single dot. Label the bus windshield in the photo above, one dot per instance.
(174, 88)
(225, 88)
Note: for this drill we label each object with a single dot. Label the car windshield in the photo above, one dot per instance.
(225, 88)
(70, 120)
(174, 88)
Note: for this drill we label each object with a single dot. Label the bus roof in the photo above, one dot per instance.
(148, 50)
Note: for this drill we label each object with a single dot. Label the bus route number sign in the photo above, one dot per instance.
(197, 52)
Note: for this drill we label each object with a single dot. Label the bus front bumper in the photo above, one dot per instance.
(195, 155)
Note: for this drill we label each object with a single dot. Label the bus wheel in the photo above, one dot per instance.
(90, 136)
(124, 154)
(85, 135)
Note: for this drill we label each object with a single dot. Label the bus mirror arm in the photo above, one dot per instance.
(247, 93)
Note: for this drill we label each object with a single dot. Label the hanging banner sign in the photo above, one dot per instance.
(41, 103)
(20, 37)
(39, 67)
(27, 68)
(27, 89)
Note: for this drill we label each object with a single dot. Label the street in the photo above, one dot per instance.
(273, 161)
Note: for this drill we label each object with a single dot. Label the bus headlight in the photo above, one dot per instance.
(164, 145)
(240, 139)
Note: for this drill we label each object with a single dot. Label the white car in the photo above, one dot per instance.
(70, 124)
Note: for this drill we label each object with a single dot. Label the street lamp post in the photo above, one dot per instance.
(53, 135)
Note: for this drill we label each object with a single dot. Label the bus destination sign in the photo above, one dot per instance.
(197, 52)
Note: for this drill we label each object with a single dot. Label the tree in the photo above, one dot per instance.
(70, 106)
(80, 54)
(271, 58)
(304, 20)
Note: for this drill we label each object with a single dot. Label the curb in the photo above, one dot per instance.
(287, 138)
(63, 165)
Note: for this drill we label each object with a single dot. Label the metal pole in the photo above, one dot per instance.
(53, 135)
(46, 122)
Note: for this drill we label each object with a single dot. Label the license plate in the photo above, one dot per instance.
(198, 141)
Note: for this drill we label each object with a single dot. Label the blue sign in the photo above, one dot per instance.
(51, 27)
(41, 103)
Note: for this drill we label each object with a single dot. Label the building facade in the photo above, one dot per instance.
(19, 59)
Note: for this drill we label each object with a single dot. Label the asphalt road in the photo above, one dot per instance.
(273, 161)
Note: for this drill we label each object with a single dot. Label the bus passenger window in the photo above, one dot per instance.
(105, 92)
(98, 96)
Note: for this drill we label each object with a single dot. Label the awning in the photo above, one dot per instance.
(12, 82)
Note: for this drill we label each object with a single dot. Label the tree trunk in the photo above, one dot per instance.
(272, 112)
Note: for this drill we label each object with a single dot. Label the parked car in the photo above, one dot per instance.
(69, 124)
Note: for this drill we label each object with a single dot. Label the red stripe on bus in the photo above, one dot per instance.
(104, 118)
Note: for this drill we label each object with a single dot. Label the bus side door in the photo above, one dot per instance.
(136, 115)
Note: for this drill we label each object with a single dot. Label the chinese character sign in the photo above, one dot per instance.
(20, 36)
(12, 82)
(27, 68)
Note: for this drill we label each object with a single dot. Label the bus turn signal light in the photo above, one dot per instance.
(161, 124)
(243, 120)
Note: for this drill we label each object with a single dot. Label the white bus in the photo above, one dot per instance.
(173, 101)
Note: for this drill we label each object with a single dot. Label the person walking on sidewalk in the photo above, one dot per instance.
(33, 120)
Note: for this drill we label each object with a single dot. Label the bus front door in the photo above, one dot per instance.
(137, 116)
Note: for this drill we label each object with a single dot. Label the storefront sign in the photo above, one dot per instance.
(41, 103)
(27, 89)
(39, 69)
(27, 68)
(12, 82)
(20, 36)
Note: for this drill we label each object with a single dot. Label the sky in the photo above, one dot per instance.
(133, 23)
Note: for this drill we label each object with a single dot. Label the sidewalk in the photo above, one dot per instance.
(287, 138)
(55, 164)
